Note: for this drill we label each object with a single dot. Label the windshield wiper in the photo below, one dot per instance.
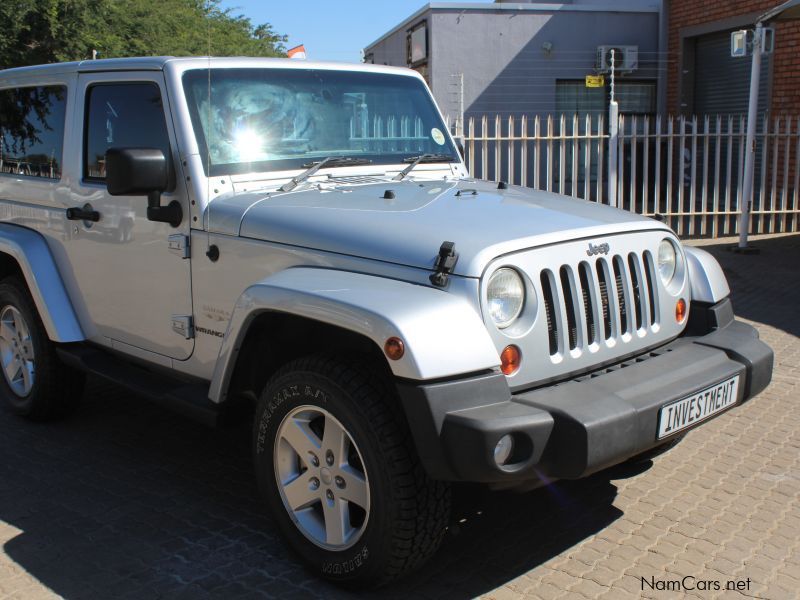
(422, 158)
(311, 168)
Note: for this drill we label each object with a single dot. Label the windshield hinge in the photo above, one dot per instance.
(179, 244)
(183, 325)
(444, 264)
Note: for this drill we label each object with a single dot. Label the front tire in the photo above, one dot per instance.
(34, 383)
(336, 465)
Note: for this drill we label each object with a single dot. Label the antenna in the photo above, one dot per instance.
(210, 129)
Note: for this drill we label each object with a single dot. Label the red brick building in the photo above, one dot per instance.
(702, 78)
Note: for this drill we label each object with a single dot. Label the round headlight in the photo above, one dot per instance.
(667, 260)
(506, 295)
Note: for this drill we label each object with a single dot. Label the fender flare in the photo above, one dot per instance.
(706, 277)
(443, 334)
(31, 252)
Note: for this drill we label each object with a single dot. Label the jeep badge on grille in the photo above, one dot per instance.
(598, 249)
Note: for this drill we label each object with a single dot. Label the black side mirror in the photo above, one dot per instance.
(142, 172)
(136, 171)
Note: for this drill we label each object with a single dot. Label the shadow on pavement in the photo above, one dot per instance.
(765, 286)
(127, 499)
(499, 536)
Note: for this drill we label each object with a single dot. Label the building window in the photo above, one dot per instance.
(633, 97)
(573, 97)
(32, 131)
(417, 44)
(636, 98)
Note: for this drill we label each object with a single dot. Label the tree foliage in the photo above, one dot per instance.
(45, 31)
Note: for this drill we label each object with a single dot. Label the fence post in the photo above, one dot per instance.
(613, 140)
(613, 147)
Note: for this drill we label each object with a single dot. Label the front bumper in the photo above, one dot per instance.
(575, 428)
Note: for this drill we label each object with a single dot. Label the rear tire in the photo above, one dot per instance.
(394, 516)
(34, 384)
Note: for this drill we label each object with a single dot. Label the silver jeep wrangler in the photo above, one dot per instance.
(305, 239)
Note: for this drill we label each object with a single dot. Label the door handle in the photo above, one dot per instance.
(83, 214)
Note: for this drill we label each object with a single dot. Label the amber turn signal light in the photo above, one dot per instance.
(510, 360)
(394, 348)
(680, 310)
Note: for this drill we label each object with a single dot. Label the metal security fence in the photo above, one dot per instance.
(687, 171)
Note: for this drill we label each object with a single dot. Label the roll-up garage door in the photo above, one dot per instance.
(721, 82)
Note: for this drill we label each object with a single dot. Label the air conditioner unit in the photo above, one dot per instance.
(626, 58)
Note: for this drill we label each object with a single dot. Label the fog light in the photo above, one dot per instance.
(503, 450)
(509, 360)
(680, 310)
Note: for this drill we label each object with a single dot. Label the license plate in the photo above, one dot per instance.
(698, 407)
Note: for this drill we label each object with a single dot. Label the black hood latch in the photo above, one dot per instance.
(444, 264)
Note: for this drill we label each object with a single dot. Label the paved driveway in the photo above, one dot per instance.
(128, 500)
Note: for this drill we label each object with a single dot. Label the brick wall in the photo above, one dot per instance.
(786, 60)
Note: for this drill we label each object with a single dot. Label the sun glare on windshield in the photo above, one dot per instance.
(249, 146)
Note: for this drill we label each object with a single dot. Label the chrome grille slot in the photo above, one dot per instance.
(550, 311)
(568, 293)
(602, 275)
(636, 287)
(623, 297)
(650, 276)
(589, 302)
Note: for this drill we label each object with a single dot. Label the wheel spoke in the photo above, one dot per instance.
(26, 375)
(300, 437)
(7, 330)
(20, 327)
(335, 439)
(355, 489)
(336, 517)
(12, 369)
(300, 493)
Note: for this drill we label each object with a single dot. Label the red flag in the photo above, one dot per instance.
(297, 52)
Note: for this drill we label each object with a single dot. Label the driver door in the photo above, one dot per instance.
(133, 275)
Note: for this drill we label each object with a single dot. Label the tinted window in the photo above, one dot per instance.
(32, 130)
(125, 115)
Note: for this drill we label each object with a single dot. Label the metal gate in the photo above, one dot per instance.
(686, 171)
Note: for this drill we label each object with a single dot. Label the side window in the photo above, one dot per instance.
(122, 115)
(32, 130)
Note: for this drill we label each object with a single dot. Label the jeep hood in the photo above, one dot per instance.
(357, 220)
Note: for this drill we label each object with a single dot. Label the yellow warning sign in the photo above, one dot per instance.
(595, 81)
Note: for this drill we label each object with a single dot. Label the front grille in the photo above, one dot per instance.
(608, 298)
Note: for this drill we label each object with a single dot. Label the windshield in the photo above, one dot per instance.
(278, 119)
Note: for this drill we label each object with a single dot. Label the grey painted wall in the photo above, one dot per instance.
(391, 50)
(500, 53)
